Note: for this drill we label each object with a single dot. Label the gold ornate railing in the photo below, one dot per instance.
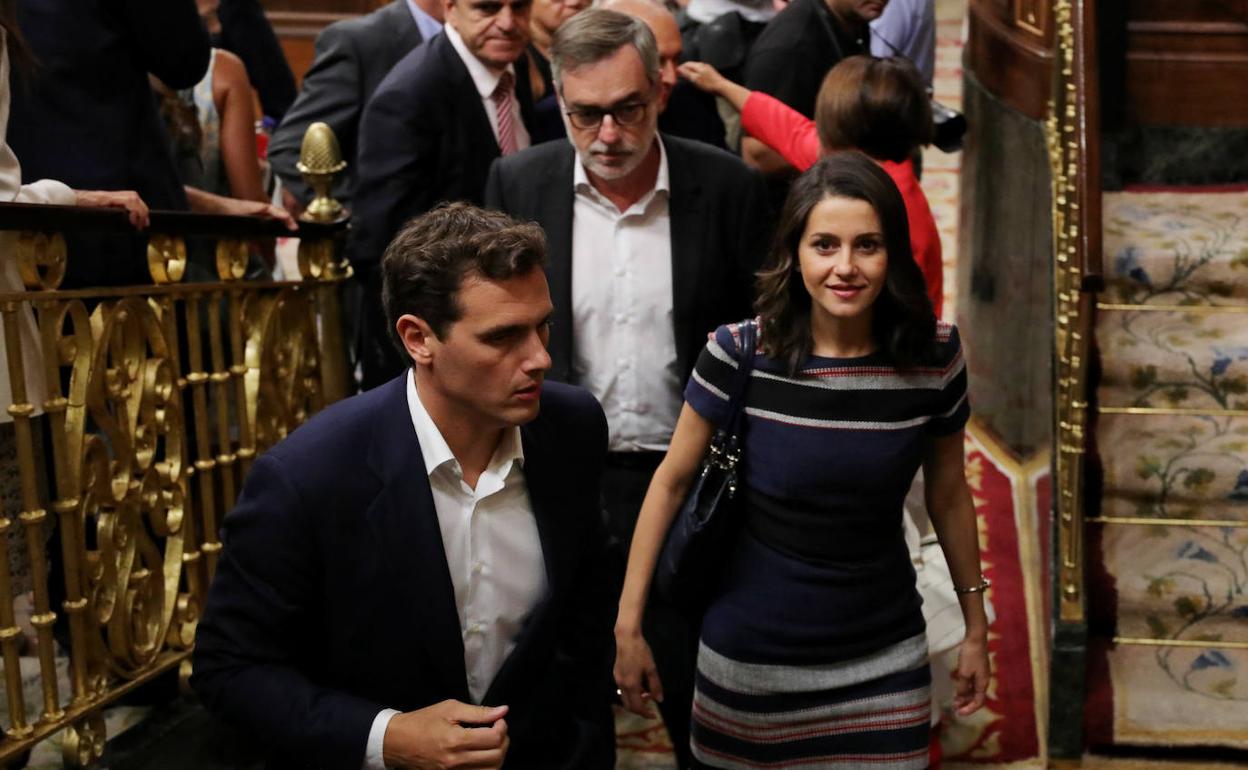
(158, 397)
(1072, 130)
(1073, 134)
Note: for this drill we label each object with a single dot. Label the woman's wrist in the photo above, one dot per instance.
(977, 632)
(628, 621)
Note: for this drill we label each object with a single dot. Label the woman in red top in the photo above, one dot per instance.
(877, 106)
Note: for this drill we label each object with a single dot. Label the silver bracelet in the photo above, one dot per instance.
(984, 584)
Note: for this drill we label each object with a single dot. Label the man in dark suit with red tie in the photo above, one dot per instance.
(429, 134)
(416, 577)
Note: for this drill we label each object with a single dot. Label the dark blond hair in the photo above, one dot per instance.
(878, 106)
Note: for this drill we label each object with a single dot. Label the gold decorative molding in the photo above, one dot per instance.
(1163, 522)
(166, 258)
(232, 254)
(1173, 411)
(41, 260)
(1073, 307)
(1200, 643)
(1213, 309)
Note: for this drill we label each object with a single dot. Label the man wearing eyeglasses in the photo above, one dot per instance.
(429, 134)
(653, 241)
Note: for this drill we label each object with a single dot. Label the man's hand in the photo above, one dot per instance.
(447, 736)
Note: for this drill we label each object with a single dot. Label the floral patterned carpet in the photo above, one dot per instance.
(1180, 363)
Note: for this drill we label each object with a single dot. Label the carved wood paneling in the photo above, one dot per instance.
(1187, 63)
(1009, 51)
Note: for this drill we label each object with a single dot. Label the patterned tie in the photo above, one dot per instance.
(502, 106)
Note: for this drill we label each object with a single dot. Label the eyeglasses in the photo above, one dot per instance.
(627, 114)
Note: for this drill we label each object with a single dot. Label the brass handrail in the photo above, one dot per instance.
(155, 399)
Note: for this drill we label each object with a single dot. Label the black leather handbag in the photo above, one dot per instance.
(697, 544)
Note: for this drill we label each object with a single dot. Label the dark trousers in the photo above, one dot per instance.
(673, 639)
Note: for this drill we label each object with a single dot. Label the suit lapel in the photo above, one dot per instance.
(687, 211)
(409, 538)
(481, 137)
(554, 211)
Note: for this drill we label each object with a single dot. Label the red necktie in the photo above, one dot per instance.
(503, 107)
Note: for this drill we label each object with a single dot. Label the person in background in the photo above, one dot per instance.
(86, 115)
(15, 62)
(429, 134)
(907, 28)
(352, 57)
(877, 106)
(683, 110)
(813, 652)
(654, 240)
(791, 57)
(244, 30)
(545, 18)
(213, 126)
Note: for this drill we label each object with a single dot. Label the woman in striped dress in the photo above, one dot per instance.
(812, 653)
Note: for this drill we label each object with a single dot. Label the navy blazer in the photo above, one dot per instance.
(424, 138)
(720, 226)
(333, 599)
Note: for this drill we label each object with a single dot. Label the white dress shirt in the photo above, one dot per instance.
(486, 80)
(624, 343)
(492, 548)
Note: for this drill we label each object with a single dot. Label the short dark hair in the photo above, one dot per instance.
(903, 322)
(425, 265)
(878, 106)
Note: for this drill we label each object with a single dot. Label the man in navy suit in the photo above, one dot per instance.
(429, 134)
(415, 577)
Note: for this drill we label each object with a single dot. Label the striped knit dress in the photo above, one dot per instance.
(813, 653)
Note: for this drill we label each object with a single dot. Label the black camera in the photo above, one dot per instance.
(948, 127)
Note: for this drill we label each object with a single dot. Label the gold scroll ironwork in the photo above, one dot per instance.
(147, 448)
(157, 398)
(1073, 307)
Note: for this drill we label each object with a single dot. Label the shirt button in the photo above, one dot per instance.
(621, 319)
(478, 568)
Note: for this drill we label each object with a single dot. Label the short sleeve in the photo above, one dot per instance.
(951, 407)
(710, 386)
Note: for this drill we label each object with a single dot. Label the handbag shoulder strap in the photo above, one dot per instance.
(747, 341)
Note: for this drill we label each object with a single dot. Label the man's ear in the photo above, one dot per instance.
(418, 339)
(447, 5)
